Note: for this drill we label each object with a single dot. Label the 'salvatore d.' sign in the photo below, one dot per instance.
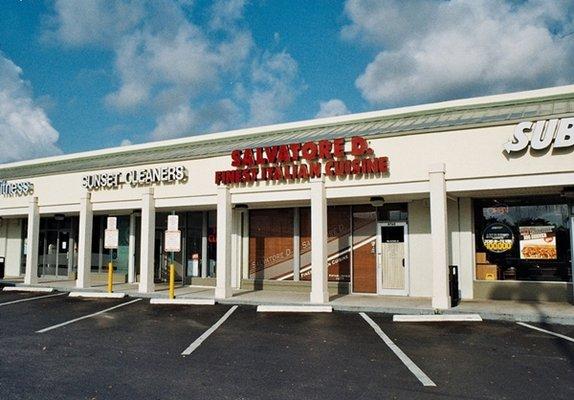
(539, 135)
(296, 161)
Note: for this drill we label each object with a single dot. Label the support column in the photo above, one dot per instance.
(319, 276)
(147, 254)
(439, 234)
(85, 242)
(31, 276)
(224, 224)
(572, 243)
(132, 250)
(296, 245)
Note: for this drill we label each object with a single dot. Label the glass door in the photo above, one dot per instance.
(392, 258)
(160, 260)
(56, 253)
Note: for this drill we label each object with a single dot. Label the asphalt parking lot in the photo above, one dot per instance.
(67, 348)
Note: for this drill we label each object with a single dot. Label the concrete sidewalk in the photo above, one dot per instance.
(526, 311)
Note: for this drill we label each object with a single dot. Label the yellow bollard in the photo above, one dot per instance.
(171, 281)
(110, 276)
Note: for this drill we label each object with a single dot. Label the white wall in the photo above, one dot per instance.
(420, 248)
(13, 246)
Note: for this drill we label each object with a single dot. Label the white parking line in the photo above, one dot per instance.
(545, 331)
(208, 332)
(6, 303)
(420, 375)
(86, 316)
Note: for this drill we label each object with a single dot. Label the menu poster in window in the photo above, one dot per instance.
(497, 238)
(538, 242)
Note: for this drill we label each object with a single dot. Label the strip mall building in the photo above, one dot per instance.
(379, 203)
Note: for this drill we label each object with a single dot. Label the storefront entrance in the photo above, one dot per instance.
(57, 248)
(392, 258)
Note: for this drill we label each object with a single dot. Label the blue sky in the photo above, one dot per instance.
(82, 75)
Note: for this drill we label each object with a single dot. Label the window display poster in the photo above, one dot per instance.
(497, 238)
(538, 242)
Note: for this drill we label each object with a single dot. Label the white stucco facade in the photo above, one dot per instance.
(437, 172)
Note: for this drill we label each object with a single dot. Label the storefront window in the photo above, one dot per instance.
(338, 243)
(271, 244)
(211, 243)
(523, 239)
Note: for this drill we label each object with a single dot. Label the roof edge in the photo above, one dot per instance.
(468, 103)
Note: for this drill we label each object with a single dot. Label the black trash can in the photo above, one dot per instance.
(453, 285)
(2, 266)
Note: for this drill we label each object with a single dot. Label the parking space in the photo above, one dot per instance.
(488, 360)
(135, 351)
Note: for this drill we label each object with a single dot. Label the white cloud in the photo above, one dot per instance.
(126, 142)
(226, 13)
(275, 85)
(175, 123)
(94, 21)
(332, 108)
(212, 117)
(440, 50)
(181, 67)
(25, 130)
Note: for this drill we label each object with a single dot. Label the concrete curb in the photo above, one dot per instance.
(183, 301)
(28, 289)
(298, 309)
(437, 318)
(98, 295)
(486, 315)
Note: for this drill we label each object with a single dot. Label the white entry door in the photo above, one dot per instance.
(392, 258)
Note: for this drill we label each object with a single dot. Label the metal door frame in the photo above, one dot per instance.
(58, 232)
(396, 292)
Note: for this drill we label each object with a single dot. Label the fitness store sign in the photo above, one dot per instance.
(11, 189)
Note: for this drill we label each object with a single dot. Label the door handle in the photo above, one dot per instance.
(403, 262)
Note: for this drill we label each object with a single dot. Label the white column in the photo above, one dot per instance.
(296, 244)
(85, 242)
(224, 224)
(439, 234)
(31, 276)
(3, 237)
(236, 247)
(146, 284)
(572, 243)
(132, 250)
(319, 277)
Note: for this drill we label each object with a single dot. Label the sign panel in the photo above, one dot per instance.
(540, 135)
(172, 242)
(11, 189)
(111, 239)
(135, 178)
(303, 161)
(497, 238)
(112, 223)
(538, 243)
(172, 222)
